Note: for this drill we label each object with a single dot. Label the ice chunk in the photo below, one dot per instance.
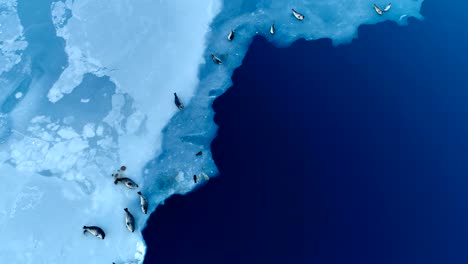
(12, 41)
(67, 133)
(88, 130)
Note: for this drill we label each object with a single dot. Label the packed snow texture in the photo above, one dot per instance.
(112, 104)
(11, 36)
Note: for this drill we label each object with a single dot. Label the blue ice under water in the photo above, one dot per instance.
(87, 86)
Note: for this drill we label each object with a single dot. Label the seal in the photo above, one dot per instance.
(272, 29)
(177, 102)
(216, 59)
(297, 15)
(378, 9)
(127, 182)
(95, 231)
(129, 220)
(143, 203)
(387, 8)
(231, 35)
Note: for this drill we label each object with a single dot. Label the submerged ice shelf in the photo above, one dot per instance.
(112, 104)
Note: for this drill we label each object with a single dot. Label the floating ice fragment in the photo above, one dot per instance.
(88, 130)
(67, 133)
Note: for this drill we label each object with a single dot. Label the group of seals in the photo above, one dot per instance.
(129, 218)
(298, 16)
(380, 11)
(231, 35)
(127, 182)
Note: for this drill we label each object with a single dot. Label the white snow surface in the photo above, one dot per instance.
(57, 162)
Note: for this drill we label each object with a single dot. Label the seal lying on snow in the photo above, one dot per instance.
(95, 231)
(177, 102)
(127, 182)
(129, 220)
(143, 203)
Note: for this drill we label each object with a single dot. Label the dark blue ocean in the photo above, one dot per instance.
(348, 154)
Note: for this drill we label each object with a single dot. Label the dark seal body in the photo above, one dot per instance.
(95, 231)
(216, 59)
(127, 182)
(143, 203)
(129, 220)
(177, 102)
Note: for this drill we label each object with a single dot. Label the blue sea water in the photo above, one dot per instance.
(349, 154)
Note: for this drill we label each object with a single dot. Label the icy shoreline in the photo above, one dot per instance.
(58, 159)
